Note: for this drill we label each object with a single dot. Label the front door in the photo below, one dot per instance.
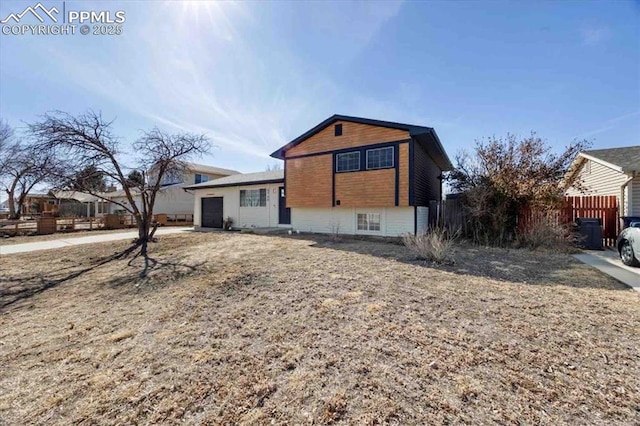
(211, 212)
(284, 213)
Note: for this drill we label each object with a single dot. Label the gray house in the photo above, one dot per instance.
(612, 171)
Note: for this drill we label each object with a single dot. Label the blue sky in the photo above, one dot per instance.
(255, 75)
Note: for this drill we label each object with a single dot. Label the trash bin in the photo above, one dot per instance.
(590, 229)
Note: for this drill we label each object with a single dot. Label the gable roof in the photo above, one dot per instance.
(272, 176)
(425, 135)
(211, 169)
(626, 159)
(75, 195)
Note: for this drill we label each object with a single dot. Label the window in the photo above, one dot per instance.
(201, 178)
(380, 158)
(348, 162)
(368, 221)
(337, 130)
(102, 207)
(253, 198)
(170, 179)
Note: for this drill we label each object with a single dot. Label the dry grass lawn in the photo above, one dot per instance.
(235, 328)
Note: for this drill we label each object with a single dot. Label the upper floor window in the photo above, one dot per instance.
(337, 130)
(171, 179)
(380, 158)
(253, 198)
(201, 178)
(348, 161)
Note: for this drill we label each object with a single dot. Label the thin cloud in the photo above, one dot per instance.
(612, 123)
(595, 36)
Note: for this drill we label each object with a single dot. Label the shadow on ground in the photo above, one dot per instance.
(139, 268)
(513, 265)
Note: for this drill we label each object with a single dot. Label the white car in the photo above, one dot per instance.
(629, 244)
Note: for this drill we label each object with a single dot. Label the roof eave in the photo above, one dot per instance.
(227, 185)
(279, 153)
(599, 161)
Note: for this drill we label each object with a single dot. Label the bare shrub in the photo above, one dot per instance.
(547, 232)
(437, 245)
(335, 231)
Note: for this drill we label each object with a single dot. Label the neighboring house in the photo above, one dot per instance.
(76, 203)
(172, 198)
(348, 175)
(612, 171)
(38, 203)
(250, 200)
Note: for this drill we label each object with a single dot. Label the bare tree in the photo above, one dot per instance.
(6, 139)
(273, 167)
(22, 167)
(86, 140)
(506, 174)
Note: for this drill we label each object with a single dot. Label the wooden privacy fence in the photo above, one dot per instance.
(451, 214)
(448, 214)
(603, 207)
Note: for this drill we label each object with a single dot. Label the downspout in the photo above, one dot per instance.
(622, 190)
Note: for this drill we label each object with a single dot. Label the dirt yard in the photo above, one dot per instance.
(235, 328)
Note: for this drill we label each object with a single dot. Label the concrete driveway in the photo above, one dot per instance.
(608, 261)
(92, 239)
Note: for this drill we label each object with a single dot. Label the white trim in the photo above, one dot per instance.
(599, 161)
(346, 153)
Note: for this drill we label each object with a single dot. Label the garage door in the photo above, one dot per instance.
(211, 212)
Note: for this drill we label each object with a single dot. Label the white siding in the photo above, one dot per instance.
(394, 221)
(422, 218)
(243, 217)
(173, 200)
(598, 180)
(324, 220)
(634, 197)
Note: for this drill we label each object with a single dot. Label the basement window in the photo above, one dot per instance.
(253, 198)
(348, 162)
(368, 221)
(337, 129)
(380, 158)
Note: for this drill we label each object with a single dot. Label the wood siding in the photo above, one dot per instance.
(426, 185)
(371, 188)
(353, 135)
(309, 181)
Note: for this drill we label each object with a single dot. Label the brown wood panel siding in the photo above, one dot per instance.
(309, 181)
(372, 188)
(403, 175)
(353, 135)
(426, 185)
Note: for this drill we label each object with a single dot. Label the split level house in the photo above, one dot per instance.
(347, 175)
(612, 171)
